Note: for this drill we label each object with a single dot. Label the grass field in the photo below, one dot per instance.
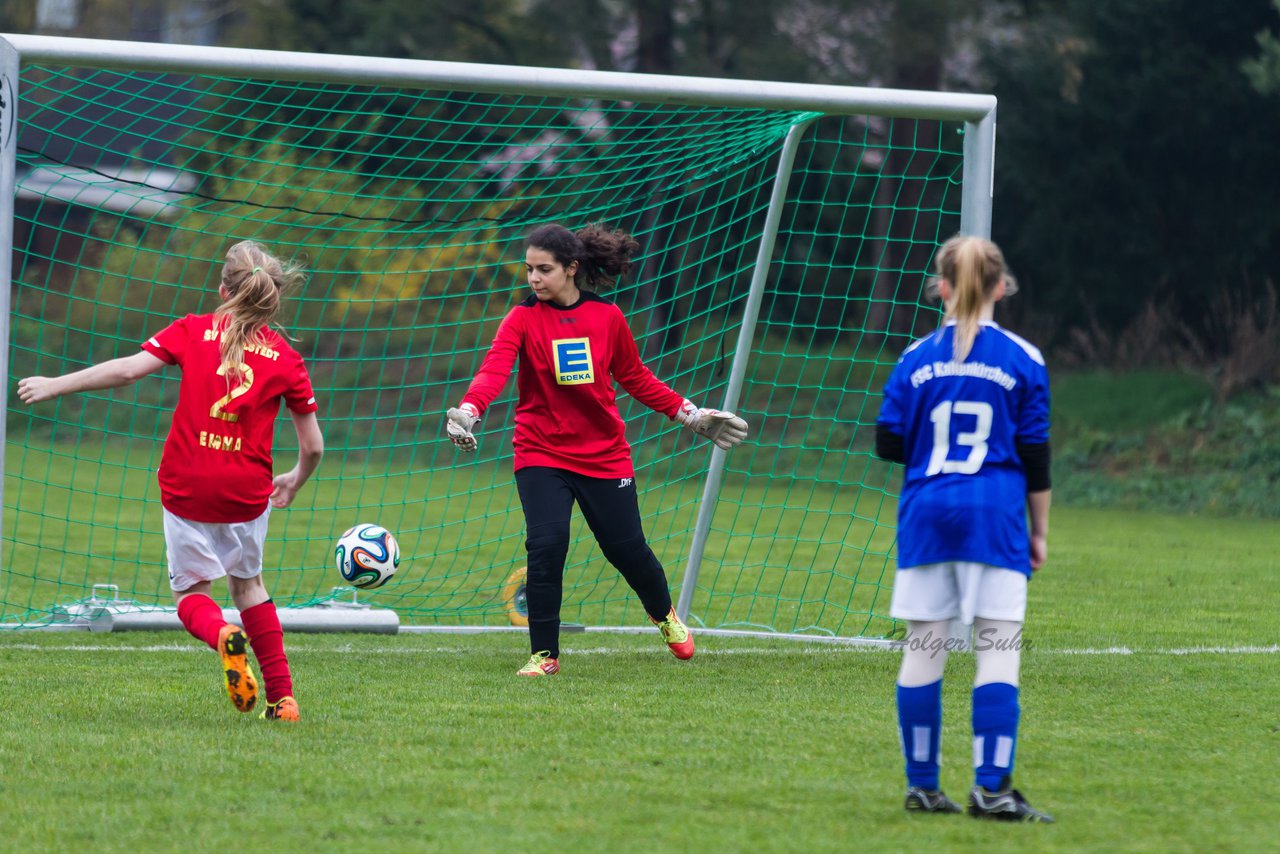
(785, 553)
(1149, 724)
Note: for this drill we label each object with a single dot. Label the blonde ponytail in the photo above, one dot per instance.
(255, 282)
(973, 267)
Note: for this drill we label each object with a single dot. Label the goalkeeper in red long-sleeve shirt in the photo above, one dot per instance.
(570, 440)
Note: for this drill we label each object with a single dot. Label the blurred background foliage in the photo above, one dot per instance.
(1135, 145)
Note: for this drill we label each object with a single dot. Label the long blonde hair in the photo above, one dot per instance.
(974, 267)
(255, 282)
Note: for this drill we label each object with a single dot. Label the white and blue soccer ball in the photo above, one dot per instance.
(367, 556)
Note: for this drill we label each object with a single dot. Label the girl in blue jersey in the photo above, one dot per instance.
(966, 411)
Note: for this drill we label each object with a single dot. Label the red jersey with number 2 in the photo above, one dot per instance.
(566, 412)
(216, 465)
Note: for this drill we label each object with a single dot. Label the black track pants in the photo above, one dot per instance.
(612, 511)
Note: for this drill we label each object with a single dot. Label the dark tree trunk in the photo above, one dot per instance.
(655, 54)
(918, 42)
(655, 50)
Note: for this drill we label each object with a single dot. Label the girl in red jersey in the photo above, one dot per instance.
(216, 483)
(570, 440)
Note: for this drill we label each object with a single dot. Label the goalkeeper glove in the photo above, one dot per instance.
(725, 429)
(459, 423)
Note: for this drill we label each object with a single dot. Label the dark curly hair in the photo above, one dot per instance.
(603, 254)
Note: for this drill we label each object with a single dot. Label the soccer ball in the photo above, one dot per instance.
(367, 556)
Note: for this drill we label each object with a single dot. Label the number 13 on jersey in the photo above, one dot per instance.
(975, 439)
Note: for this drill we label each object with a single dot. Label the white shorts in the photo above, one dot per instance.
(205, 551)
(949, 591)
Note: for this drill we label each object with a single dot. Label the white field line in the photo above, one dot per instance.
(827, 649)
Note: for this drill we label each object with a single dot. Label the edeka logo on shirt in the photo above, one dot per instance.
(572, 361)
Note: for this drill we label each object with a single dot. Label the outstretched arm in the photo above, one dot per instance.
(488, 383)
(724, 429)
(111, 374)
(310, 450)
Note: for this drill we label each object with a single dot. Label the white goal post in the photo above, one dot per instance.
(803, 104)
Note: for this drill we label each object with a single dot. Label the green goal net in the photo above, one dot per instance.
(408, 204)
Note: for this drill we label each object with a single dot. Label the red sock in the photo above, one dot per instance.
(201, 616)
(262, 625)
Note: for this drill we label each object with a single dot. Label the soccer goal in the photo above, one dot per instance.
(786, 232)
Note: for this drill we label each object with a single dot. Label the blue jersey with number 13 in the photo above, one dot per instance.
(964, 489)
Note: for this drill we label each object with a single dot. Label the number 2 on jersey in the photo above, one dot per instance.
(245, 383)
(975, 440)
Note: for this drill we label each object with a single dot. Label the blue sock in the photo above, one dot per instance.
(995, 733)
(920, 724)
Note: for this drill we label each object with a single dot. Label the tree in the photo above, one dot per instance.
(1263, 70)
(901, 43)
(918, 36)
(1131, 154)
(491, 31)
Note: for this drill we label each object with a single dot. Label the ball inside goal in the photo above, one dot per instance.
(367, 556)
